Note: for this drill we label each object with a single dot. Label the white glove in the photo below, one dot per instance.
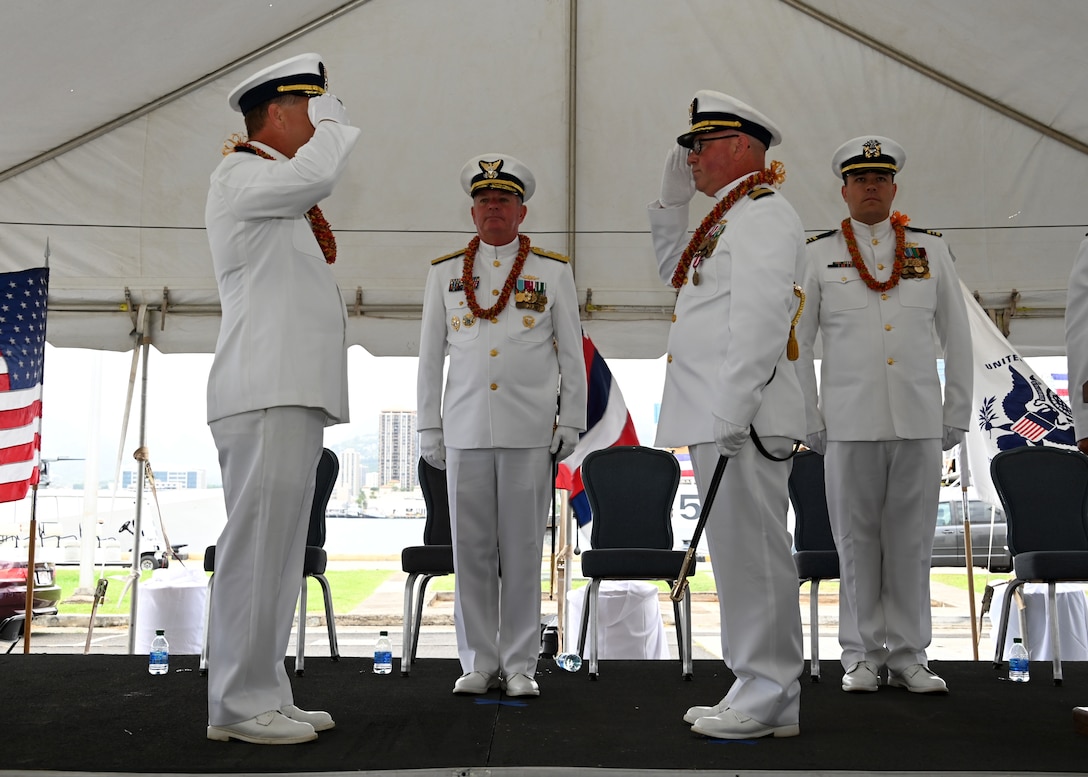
(327, 107)
(952, 437)
(564, 438)
(677, 182)
(817, 441)
(729, 438)
(432, 448)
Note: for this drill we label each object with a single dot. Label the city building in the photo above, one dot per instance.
(398, 448)
(164, 479)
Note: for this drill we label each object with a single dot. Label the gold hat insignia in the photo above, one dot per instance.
(491, 169)
(871, 149)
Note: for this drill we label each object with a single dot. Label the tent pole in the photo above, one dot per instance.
(137, 529)
(968, 543)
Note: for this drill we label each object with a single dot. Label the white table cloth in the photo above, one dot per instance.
(629, 623)
(1072, 621)
(172, 600)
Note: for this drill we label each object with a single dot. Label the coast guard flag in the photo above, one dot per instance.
(1011, 407)
(608, 423)
(23, 297)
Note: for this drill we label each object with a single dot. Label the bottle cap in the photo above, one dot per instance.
(160, 632)
(1015, 640)
(383, 633)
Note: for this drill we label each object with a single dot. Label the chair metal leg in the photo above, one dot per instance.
(300, 646)
(330, 618)
(814, 629)
(1052, 617)
(203, 666)
(591, 603)
(583, 630)
(999, 650)
(417, 623)
(407, 653)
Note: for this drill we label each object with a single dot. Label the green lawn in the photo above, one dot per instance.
(349, 588)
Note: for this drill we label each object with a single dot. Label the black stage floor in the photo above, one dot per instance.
(105, 714)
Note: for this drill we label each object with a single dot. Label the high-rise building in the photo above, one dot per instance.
(348, 483)
(398, 447)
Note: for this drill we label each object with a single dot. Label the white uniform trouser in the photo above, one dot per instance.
(756, 579)
(269, 462)
(498, 510)
(882, 500)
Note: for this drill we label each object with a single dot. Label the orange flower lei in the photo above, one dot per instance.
(318, 223)
(899, 223)
(507, 288)
(773, 175)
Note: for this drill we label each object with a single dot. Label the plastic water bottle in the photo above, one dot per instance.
(569, 662)
(383, 654)
(159, 660)
(1018, 662)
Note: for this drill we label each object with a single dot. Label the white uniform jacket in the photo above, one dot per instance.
(879, 376)
(504, 377)
(282, 337)
(729, 332)
(1076, 340)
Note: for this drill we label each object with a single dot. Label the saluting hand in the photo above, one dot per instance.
(677, 182)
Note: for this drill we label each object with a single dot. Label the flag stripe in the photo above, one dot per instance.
(608, 423)
(23, 305)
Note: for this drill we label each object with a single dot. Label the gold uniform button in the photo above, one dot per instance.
(674, 318)
(498, 263)
(876, 241)
(494, 386)
(887, 327)
(884, 296)
(670, 358)
(494, 352)
(494, 292)
(891, 361)
(843, 279)
(880, 267)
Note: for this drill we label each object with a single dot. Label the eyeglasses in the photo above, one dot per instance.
(698, 143)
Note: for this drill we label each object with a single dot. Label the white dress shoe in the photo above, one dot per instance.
(475, 682)
(862, 678)
(268, 728)
(694, 713)
(321, 721)
(918, 679)
(730, 724)
(520, 685)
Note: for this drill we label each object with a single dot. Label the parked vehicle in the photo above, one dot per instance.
(989, 546)
(13, 572)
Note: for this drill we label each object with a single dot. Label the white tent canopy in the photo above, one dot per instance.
(119, 114)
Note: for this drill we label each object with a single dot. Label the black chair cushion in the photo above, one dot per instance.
(209, 559)
(1051, 565)
(634, 563)
(816, 564)
(315, 561)
(427, 559)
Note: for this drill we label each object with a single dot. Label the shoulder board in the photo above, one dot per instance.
(933, 232)
(760, 191)
(814, 238)
(550, 254)
(454, 255)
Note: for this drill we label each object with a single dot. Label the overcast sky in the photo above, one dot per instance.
(177, 433)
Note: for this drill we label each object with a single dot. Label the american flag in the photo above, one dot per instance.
(23, 300)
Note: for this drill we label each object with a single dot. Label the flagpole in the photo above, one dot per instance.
(968, 543)
(28, 605)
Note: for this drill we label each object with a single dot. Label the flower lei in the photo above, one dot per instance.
(899, 222)
(318, 223)
(507, 288)
(773, 175)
